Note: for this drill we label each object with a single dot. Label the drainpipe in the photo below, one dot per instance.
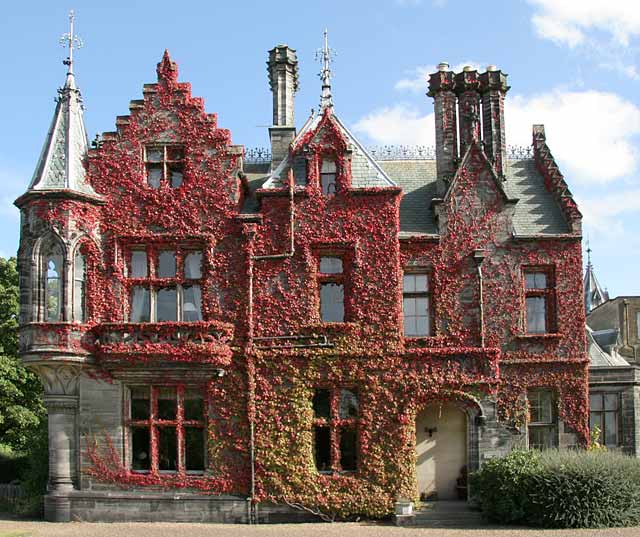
(249, 347)
(478, 257)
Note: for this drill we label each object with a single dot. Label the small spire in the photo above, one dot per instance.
(71, 41)
(588, 253)
(325, 55)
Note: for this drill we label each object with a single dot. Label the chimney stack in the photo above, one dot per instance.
(493, 87)
(283, 80)
(467, 86)
(441, 88)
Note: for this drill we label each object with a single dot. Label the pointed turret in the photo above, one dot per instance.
(594, 295)
(60, 166)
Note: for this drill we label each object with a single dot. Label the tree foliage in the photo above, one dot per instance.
(21, 409)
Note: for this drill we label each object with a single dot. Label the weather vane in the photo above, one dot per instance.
(325, 55)
(72, 41)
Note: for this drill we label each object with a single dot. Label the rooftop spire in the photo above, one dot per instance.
(61, 165)
(594, 295)
(71, 41)
(325, 55)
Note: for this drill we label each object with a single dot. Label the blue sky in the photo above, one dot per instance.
(573, 65)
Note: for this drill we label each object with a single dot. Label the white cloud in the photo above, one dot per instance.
(418, 79)
(398, 125)
(592, 134)
(604, 214)
(568, 21)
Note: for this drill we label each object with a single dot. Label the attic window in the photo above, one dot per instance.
(328, 177)
(164, 164)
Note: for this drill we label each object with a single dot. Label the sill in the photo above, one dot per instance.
(336, 473)
(550, 335)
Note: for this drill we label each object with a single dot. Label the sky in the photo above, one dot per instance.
(573, 65)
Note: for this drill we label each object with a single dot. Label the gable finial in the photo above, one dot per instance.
(325, 55)
(71, 41)
(588, 252)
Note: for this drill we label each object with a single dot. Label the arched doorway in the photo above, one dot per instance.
(441, 450)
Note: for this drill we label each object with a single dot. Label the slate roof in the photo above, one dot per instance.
(597, 356)
(365, 171)
(60, 166)
(536, 212)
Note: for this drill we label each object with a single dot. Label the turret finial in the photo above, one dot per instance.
(70, 41)
(325, 55)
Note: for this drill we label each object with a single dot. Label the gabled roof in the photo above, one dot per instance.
(365, 171)
(60, 166)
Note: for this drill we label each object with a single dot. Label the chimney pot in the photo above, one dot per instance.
(442, 66)
(491, 68)
(468, 68)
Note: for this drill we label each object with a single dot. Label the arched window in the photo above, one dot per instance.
(79, 287)
(53, 269)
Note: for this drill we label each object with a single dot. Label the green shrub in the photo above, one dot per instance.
(500, 487)
(561, 489)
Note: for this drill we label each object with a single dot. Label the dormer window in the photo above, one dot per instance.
(328, 177)
(164, 164)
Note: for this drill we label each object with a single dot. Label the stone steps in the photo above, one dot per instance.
(442, 515)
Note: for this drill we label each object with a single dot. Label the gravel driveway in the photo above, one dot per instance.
(85, 529)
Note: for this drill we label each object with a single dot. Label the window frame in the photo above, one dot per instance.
(82, 299)
(336, 425)
(154, 284)
(551, 426)
(602, 418)
(166, 164)
(428, 294)
(153, 424)
(548, 293)
(329, 278)
(53, 249)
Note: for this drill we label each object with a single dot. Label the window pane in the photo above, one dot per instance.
(155, 154)
(140, 306)
(78, 301)
(166, 264)
(193, 265)
(536, 315)
(167, 404)
(596, 421)
(166, 304)
(535, 280)
(79, 267)
(138, 264)
(595, 401)
(193, 405)
(194, 449)
(422, 326)
(610, 429)
(322, 448)
(328, 166)
(410, 327)
(409, 283)
(332, 302)
(541, 437)
(175, 152)
(191, 303)
(422, 285)
(540, 406)
(331, 265)
(167, 449)
(611, 401)
(409, 306)
(140, 454)
(322, 404)
(348, 449)
(54, 287)
(348, 404)
(175, 175)
(140, 408)
(422, 306)
(154, 175)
